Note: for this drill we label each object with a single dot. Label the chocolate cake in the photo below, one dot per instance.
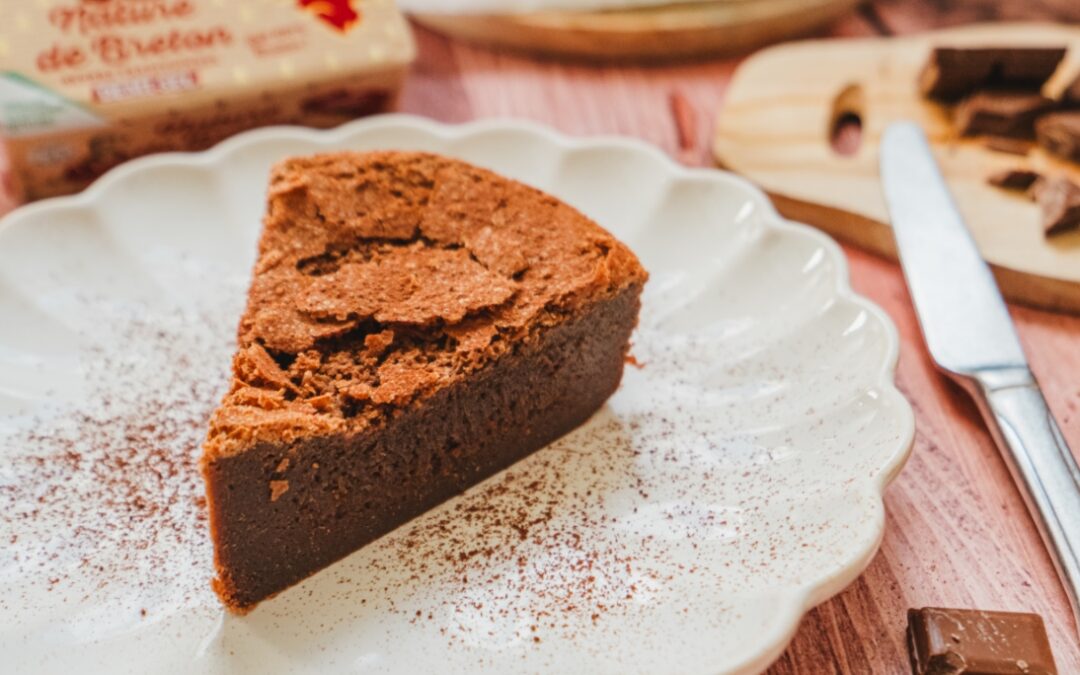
(414, 324)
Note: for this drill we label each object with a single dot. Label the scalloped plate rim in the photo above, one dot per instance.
(800, 599)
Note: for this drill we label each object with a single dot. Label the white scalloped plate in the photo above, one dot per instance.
(733, 482)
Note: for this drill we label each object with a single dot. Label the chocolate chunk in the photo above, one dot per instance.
(1012, 146)
(953, 73)
(1059, 133)
(1033, 190)
(1059, 199)
(1070, 98)
(1013, 179)
(974, 642)
(1001, 113)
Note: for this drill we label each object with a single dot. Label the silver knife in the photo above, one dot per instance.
(971, 338)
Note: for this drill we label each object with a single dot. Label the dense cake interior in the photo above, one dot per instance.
(384, 277)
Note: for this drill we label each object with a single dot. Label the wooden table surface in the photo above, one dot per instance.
(957, 532)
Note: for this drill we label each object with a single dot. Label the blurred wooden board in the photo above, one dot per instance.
(781, 107)
(668, 32)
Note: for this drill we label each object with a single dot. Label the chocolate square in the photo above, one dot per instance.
(1013, 179)
(1070, 98)
(1059, 133)
(1059, 200)
(975, 642)
(952, 73)
(1001, 113)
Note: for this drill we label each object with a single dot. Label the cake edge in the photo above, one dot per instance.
(597, 366)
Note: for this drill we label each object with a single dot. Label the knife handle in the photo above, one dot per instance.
(1041, 463)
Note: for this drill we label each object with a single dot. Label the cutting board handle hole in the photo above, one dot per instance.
(845, 126)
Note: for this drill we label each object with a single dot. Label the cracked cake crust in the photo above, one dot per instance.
(387, 285)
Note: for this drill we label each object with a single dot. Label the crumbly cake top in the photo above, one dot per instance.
(382, 277)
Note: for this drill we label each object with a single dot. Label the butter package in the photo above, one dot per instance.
(88, 84)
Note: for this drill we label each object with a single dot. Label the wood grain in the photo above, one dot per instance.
(775, 129)
(957, 531)
(664, 32)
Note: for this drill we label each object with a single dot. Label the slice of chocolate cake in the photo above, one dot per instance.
(414, 324)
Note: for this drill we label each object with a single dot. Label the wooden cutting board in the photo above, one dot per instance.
(664, 32)
(783, 104)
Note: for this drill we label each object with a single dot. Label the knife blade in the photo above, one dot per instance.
(970, 336)
(964, 320)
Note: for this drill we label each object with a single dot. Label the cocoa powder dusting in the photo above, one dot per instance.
(659, 510)
(521, 547)
(107, 506)
(561, 545)
(100, 487)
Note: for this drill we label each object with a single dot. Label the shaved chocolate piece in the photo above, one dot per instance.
(953, 73)
(1011, 146)
(1070, 98)
(1059, 199)
(1059, 133)
(976, 642)
(1001, 113)
(1013, 179)
(1033, 190)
